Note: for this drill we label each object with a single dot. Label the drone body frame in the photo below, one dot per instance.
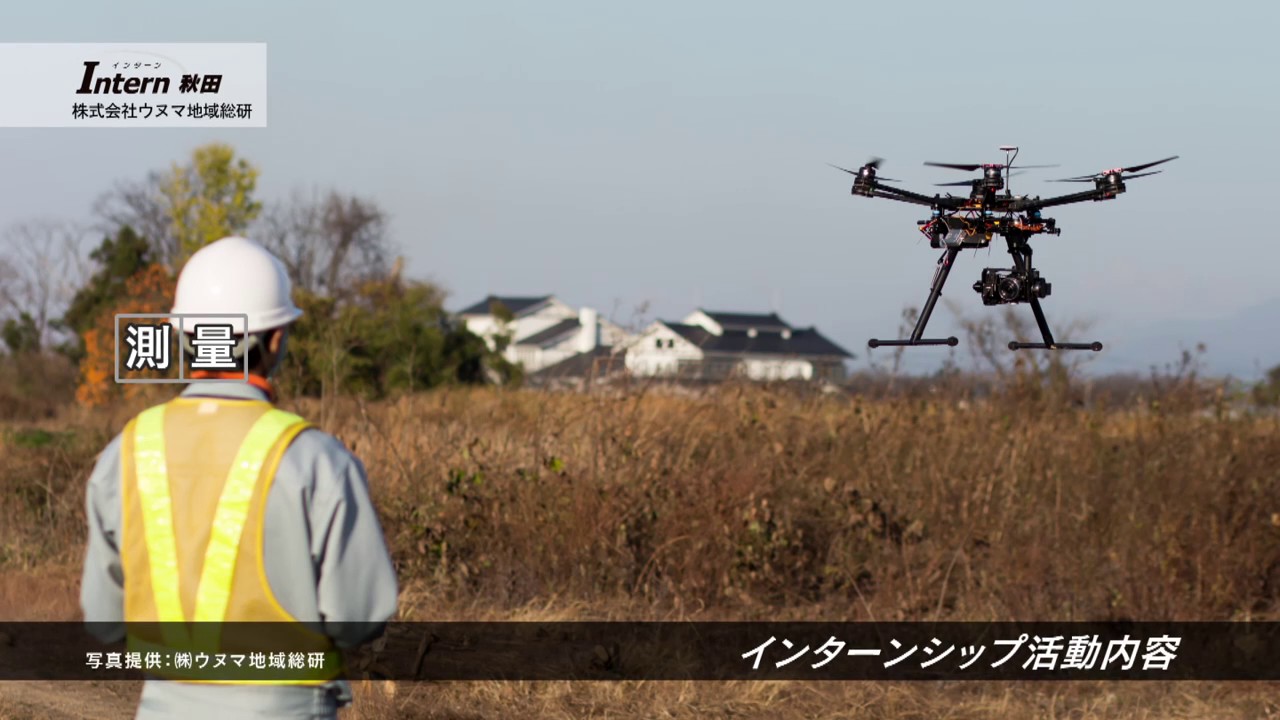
(972, 223)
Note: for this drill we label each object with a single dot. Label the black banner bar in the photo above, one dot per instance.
(682, 651)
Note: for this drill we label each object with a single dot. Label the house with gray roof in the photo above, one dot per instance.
(552, 339)
(712, 345)
(540, 330)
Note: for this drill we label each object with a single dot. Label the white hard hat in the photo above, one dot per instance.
(235, 276)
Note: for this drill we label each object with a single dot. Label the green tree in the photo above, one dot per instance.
(209, 198)
(118, 259)
(1267, 392)
(21, 335)
(184, 207)
(391, 336)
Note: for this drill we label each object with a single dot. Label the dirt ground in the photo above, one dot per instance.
(46, 700)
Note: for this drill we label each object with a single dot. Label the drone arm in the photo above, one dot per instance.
(1095, 194)
(912, 197)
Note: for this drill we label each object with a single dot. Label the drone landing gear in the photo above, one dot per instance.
(1048, 343)
(935, 291)
(1021, 253)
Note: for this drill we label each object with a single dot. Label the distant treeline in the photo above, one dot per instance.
(367, 329)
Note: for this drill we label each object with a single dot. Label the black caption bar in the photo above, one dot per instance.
(680, 651)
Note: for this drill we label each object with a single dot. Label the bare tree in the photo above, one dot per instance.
(142, 206)
(41, 266)
(291, 229)
(328, 240)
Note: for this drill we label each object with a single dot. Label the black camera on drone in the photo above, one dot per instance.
(1000, 286)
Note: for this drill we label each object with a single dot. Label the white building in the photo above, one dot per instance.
(542, 330)
(718, 345)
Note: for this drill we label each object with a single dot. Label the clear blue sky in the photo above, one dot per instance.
(621, 153)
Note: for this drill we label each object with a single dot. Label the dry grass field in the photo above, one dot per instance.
(746, 503)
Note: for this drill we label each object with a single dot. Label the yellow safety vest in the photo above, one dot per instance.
(195, 478)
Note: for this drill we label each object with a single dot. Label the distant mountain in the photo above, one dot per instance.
(1244, 344)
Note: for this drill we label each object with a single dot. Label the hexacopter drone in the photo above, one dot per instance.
(961, 223)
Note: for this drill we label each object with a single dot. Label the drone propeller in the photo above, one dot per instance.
(874, 164)
(1144, 166)
(1092, 178)
(954, 166)
(1131, 169)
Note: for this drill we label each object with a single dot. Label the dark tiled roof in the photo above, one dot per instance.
(743, 321)
(803, 341)
(695, 334)
(516, 305)
(600, 361)
(545, 337)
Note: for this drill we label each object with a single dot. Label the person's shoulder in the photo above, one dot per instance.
(315, 439)
(315, 452)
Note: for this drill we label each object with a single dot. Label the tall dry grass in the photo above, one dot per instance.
(747, 502)
(761, 503)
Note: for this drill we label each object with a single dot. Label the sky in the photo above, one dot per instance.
(647, 158)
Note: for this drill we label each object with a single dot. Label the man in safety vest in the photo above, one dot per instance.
(216, 507)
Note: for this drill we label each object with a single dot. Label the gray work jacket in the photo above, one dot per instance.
(326, 561)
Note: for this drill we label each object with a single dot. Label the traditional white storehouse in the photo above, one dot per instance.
(543, 330)
(711, 345)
